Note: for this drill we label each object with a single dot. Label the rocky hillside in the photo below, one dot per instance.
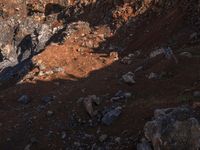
(99, 74)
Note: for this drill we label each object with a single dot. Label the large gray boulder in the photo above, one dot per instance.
(173, 129)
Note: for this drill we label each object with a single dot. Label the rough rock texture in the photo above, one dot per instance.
(173, 128)
(20, 40)
(85, 48)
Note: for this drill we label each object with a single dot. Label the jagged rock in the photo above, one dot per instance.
(118, 140)
(120, 95)
(129, 78)
(47, 99)
(109, 115)
(153, 75)
(24, 99)
(63, 135)
(88, 103)
(186, 54)
(50, 113)
(128, 59)
(173, 128)
(103, 137)
(58, 69)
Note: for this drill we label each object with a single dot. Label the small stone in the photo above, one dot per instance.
(24, 99)
(196, 94)
(156, 53)
(40, 108)
(128, 78)
(118, 140)
(153, 75)
(95, 99)
(50, 113)
(58, 69)
(47, 99)
(120, 95)
(63, 135)
(111, 115)
(127, 95)
(50, 72)
(89, 107)
(128, 59)
(42, 67)
(41, 73)
(186, 54)
(88, 103)
(114, 55)
(28, 147)
(103, 137)
(99, 130)
(17, 8)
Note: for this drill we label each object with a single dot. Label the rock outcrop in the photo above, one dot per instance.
(173, 128)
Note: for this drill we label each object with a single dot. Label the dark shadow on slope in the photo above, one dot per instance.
(52, 8)
(150, 95)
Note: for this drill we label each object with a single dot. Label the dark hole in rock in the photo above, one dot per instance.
(25, 48)
(1, 13)
(1, 57)
(53, 8)
(31, 10)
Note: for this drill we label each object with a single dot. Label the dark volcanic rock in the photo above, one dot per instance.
(173, 128)
(24, 99)
(110, 114)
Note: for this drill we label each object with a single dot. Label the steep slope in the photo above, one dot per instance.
(92, 49)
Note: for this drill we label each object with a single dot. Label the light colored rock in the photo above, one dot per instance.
(186, 54)
(128, 78)
(103, 137)
(153, 75)
(50, 113)
(88, 103)
(114, 55)
(118, 140)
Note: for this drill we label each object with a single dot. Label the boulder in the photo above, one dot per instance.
(173, 128)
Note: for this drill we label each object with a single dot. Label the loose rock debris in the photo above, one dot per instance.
(53, 53)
